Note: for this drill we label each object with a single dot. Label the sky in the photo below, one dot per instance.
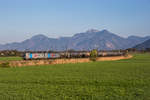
(22, 19)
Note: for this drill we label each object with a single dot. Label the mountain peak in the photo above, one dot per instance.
(39, 36)
(92, 31)
(104, 30)
(133, 36)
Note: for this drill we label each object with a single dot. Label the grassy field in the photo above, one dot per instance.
(10, 58)
(108, 80)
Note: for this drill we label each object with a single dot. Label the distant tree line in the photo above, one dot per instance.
(138, 51)
(6, 53)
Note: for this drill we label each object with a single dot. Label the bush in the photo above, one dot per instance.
(126, 53)
(5, 65)
(93, 55)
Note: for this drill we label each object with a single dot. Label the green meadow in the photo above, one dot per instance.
(10, 58)
(108, 80)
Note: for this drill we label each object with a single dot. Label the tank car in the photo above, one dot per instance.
(110, 53)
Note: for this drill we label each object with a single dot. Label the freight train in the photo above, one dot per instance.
(74, 54)
(35, 55)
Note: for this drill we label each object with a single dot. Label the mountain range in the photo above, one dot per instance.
(91, 39)
(143, 45)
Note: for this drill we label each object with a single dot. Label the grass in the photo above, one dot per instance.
(10, 58)
(109, 80)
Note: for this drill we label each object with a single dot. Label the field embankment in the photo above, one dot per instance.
(20, 63)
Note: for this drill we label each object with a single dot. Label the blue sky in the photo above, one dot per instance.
(21, 19)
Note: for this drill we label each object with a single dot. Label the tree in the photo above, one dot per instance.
(93, 55)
